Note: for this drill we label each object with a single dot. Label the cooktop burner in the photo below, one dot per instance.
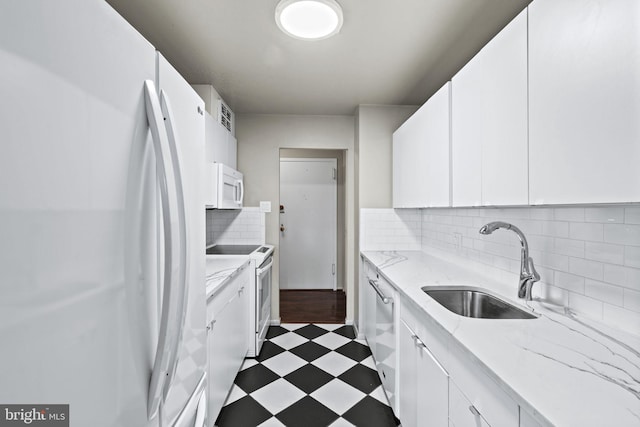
(231, 249)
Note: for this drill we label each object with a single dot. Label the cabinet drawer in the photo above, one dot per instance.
(221, 298)
(494, 405)
(429, 332)
(462, 413)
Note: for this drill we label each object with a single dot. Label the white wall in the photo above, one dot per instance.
(376, 124)
(260, 138)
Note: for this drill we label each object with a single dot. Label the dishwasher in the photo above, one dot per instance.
(386, 336)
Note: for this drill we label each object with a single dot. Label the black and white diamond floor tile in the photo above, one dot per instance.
(308, 375)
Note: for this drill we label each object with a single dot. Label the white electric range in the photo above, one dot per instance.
(261, 257)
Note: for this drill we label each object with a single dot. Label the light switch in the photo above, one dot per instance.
(265, 207)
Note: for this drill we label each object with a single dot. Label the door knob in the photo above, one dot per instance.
(281, 227)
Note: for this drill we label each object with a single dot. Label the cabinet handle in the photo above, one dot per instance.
(474, 411)
(385, 299)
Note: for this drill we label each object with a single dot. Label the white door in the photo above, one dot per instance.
(308, 237)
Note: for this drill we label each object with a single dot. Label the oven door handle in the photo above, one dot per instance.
(264, 269)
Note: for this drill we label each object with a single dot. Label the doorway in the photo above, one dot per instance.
(311, 245)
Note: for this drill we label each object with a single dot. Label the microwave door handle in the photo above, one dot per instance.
(180, 299)
(160, 146)
(241, 185)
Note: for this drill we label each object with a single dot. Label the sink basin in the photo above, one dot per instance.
(470, 301)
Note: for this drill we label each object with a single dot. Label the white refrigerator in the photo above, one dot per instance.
(102, 229)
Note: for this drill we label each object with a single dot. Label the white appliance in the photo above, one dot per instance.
(102, 302)
(227, 190)
(261, 257)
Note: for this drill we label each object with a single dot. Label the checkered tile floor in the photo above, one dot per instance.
(307, 376)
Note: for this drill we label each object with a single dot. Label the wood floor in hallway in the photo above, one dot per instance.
(312, 306)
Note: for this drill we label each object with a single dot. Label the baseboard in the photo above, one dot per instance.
(275, 322)
(355, 329)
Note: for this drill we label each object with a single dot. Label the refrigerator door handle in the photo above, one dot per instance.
(182, 290)
(167, 334)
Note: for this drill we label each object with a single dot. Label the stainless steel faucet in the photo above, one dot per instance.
(528, 273)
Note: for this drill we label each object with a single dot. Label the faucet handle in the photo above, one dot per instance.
(536, 276)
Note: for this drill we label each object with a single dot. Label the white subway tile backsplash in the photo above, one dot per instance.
(570, 282)
(552, 294)
(588, 257)
(632, 256)
(545, 214)
(604, 252)
(386, 229)
(553, 261)
(574, 248)
(586, 231)
(604, 292)
(586, 268)
(622, 276)
(604, 214)
(555, 228)
(624, 234)
(575, 214)
(631, 300)
(632, 215)
(236, 227)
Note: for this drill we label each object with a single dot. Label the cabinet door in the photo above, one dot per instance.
(489, 122)
(404, 165)
(421, 155)
(433, 174)
(222, 367)
(227, 343)
(584, 64)
(407, 377)
(462, 413)
(433, 389)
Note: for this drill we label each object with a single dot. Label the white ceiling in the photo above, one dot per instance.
(388, 51)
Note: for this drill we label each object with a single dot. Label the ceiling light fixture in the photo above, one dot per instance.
(309, 19)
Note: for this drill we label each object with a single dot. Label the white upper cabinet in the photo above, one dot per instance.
(421, 155)
(221, 144)
(584, 101)
(489, 122)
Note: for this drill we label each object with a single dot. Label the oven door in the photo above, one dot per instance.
(263, 301)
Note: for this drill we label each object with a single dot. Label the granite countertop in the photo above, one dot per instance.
(220, 270)
(564, 369)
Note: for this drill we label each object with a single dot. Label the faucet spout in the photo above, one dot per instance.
(528, 273)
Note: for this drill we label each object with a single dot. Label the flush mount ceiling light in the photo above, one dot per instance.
(309, 19)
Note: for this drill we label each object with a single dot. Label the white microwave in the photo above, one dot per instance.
(225, 187)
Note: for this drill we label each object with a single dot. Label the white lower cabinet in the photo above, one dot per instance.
(227, 340)
(423, 383)
(462, 413)
(429, 378)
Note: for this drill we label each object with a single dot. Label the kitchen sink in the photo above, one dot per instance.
(470, 301)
